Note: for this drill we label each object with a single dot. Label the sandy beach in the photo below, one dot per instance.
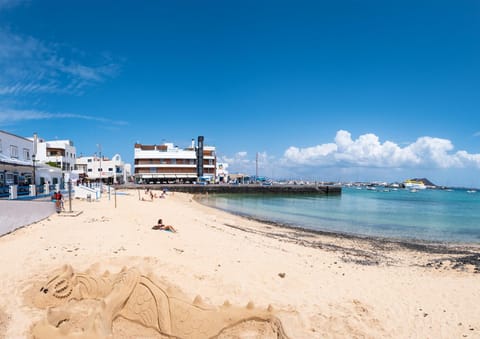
(278, 281)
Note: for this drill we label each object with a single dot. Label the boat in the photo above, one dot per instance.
(414, 184)
(471, 191)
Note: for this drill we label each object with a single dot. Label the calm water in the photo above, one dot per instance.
(452, 216)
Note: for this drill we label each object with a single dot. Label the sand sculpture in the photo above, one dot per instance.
(84, 305)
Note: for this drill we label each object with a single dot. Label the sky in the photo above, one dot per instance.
(344, 90)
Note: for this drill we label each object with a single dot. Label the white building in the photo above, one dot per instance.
(101, 169)
(45, 174)
(59, 153)
(169, 163)
(128, 172)
(222, 172)
(16, 165)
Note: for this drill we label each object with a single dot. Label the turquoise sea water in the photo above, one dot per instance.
(434, 215)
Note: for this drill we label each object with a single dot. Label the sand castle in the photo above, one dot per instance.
(85, 305)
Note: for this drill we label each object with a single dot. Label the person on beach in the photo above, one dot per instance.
(58, 199)
(161, 226)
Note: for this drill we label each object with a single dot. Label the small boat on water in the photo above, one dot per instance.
(471, 191)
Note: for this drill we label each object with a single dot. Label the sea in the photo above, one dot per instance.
(451, 216)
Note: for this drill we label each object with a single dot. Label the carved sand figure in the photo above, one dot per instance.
(84, 305)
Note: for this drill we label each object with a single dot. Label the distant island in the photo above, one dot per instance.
(425, 181)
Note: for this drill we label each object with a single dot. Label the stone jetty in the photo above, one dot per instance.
(242, 188)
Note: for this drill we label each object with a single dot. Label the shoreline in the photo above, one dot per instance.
(319, 285)
(418, 245)
(433, 232)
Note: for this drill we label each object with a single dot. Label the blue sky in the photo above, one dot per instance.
(321, 90)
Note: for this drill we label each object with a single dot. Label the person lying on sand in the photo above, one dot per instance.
(161, 226)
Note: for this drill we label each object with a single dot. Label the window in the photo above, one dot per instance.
(89, 160)
(13, 151)
(110, 169)
(153, 170)
(9, 179)
(89, 170)
(174, 161)
(26, 154)
(100, 170)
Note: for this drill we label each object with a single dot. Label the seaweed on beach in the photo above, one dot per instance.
(432, 248)
(355, 253)
(457, 263)
(370, 251)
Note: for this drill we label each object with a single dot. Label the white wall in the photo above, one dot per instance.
(92, 165)
(8, 140)
(66, 145)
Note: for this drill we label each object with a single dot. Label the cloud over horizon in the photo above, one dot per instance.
(368, 151)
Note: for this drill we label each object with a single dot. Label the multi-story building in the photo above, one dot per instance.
(59, 153)
(101, 169)
(222, 172)
(16, 165)
(169, 163)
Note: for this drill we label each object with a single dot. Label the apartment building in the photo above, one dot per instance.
(58, 153)
(102, 169)
(169, 163)
(16, 165)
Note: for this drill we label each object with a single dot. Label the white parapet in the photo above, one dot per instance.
(12, 192)
(32, 190)
(84, 192)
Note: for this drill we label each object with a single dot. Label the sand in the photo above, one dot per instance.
(312, 285)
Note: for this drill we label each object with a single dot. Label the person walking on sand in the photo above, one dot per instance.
(60, 197)
(58, 200)
(161, 226)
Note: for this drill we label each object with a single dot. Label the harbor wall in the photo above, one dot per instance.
(244, 189)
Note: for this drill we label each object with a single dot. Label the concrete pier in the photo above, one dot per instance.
(249, 188)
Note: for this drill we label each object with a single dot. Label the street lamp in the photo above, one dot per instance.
(34, 155)
(34, 181)
(100, 154)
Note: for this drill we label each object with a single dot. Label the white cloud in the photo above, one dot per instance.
(239, 160)
(319, 154)
(368, 151)
(12, 116)
(9, 3)
(29, 66)
(32, 66)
